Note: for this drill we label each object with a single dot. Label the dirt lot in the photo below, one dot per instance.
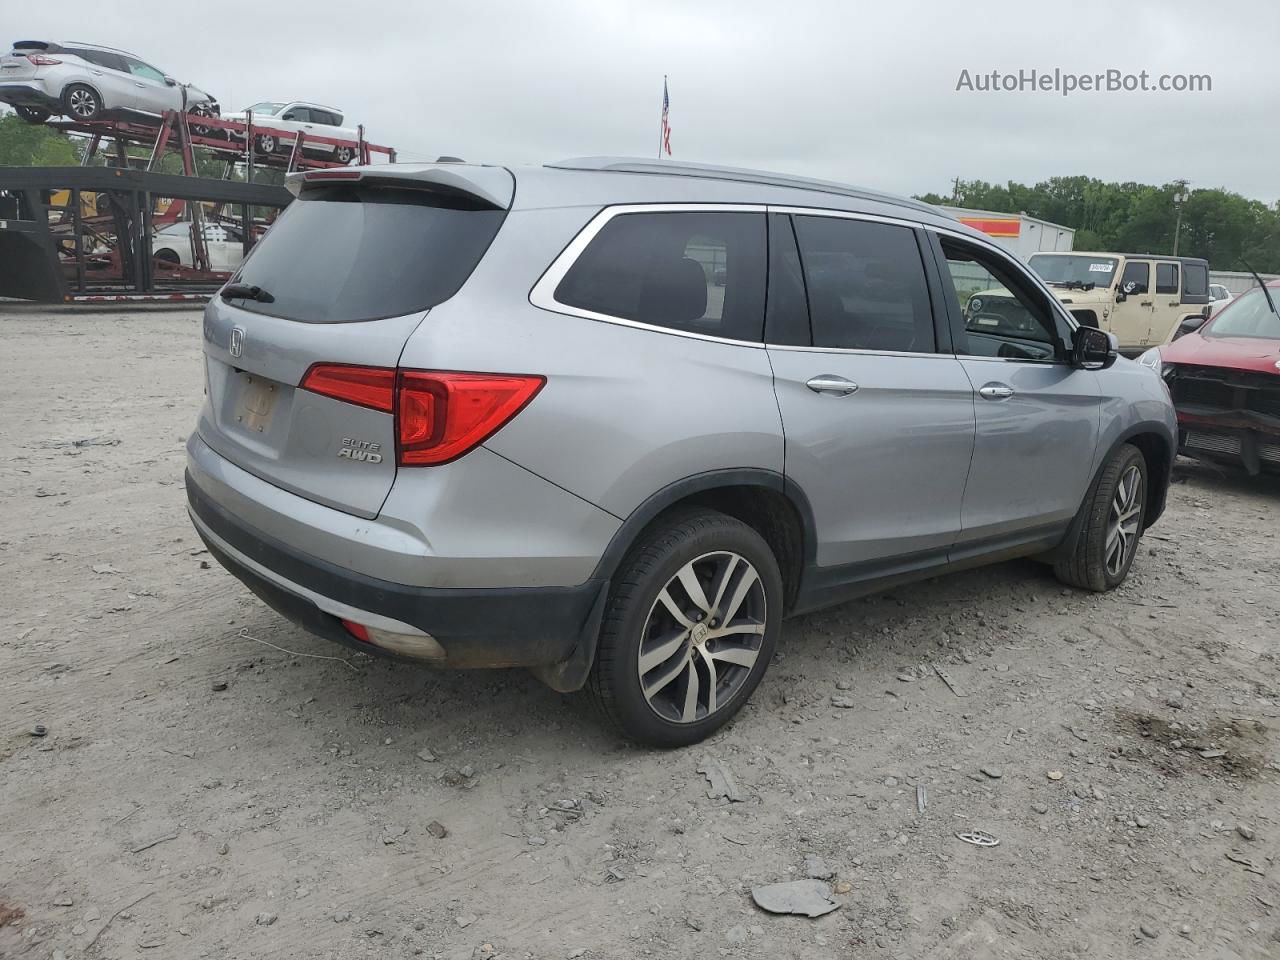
(200, 794)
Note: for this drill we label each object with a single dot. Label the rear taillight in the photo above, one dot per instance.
(372, 387)
(37, 60)
(440, 415)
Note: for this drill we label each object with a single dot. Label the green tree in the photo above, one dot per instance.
(1225, 228)
(25, 144)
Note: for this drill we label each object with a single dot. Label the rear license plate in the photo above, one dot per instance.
(257, 399)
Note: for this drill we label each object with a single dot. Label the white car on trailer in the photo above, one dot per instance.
(297, 116)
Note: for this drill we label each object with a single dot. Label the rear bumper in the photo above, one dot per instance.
(476, 627)
(28, 93)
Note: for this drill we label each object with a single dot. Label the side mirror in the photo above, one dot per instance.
(1121, 296)
(170, 82)
(1190, 325)
(1093, 349)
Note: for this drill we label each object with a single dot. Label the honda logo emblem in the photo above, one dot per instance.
(237, 341)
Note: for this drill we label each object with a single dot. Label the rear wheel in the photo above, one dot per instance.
(1108, 539)
(32, 114)
(344, 154)
(81, 102)
(167, 256)
(690, 628)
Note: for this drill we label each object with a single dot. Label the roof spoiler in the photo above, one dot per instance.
(31, 45)
(493, 186)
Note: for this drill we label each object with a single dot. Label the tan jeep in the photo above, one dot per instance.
(1142, 298)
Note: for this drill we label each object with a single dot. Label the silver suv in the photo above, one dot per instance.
(85, 82)
(613, 420)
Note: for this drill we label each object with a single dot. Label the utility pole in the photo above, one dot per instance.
(955, 192)
(1179, 198)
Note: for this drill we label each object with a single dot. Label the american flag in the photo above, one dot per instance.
(664, 143)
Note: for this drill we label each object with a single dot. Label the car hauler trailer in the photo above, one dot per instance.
(86, 233)
(59, 246)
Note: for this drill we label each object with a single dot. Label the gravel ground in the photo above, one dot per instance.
(215, 783)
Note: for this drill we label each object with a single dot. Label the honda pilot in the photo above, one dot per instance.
(614, 420)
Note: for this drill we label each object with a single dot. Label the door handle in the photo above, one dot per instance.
(1145, 303)
(96, 73)
(995, 391)
(139, 84)
(831, 384)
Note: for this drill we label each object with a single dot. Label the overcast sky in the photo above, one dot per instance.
(860, 92)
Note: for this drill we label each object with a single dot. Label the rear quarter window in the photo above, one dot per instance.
(351, 252)
(696, 272)
(1195, 280)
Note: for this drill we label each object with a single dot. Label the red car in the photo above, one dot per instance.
(1225, 382)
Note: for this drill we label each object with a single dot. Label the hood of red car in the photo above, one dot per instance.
(1237, 353)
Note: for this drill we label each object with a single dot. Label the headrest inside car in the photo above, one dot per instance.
(674, 292)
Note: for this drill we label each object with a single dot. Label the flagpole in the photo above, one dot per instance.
(662, 122)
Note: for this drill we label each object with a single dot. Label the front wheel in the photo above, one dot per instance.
(1108, 538)
(201, 129)
(692, 621)
(344, 154)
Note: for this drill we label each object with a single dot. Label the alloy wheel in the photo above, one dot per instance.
(702, 637)
(1122, 527)
(83, 104)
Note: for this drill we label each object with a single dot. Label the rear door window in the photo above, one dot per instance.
(299, 114)
(696, 272)
(111, 61)
(866, 285)
(347, 252)
(1166, 278)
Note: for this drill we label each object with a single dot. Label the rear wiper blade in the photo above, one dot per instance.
(243, 291)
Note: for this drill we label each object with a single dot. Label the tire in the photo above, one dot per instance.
(655, 631)
(1116, 502)
(32, 114)
(81, 102)
(199, 129)
(167, 256)
(344, 154)
(265, 145)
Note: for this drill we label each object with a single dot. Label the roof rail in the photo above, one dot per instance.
(98, 46)
(738, 174)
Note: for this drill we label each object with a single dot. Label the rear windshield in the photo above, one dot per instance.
(350, 252)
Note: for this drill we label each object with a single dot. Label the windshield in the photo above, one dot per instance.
(1247, 316)
(267, 107)
(1057, 268)
(365, 251)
